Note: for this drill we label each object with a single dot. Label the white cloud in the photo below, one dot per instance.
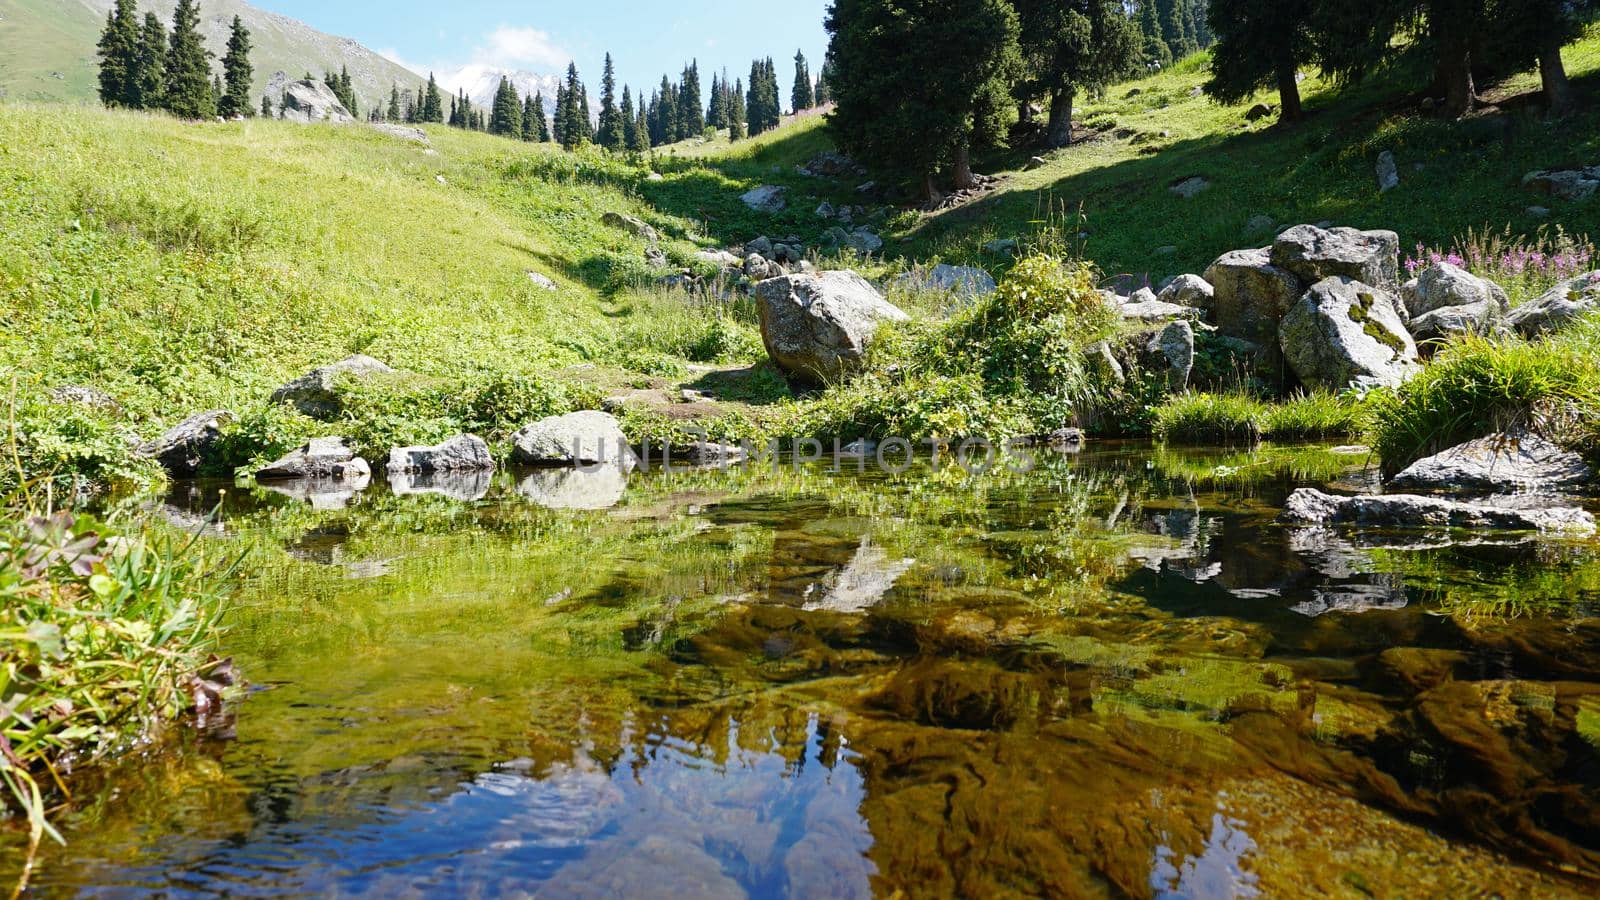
(521, 48)
(393, 55)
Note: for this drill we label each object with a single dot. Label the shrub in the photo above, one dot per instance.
(71, 447)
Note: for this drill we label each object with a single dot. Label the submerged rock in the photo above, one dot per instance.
(818, 326)
(1515, 461)
(328, 458)
(183, 448)
(462, 453)
(1312, 507)
(1344, 333)
(577, 439)
(316, 393)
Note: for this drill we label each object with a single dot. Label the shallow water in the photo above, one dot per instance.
(1114, 675)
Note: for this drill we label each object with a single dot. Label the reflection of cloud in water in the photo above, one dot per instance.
(1217, 872)
(862, 582)
(463, 486)
(598, 487)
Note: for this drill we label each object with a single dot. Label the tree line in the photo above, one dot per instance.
(143, 66)
(920, 84)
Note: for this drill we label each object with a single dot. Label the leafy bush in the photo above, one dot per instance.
(71, 446)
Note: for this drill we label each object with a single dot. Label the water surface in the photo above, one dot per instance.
(1114, 675)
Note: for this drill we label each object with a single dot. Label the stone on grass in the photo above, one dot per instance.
(720, 258)
(311, 101)
(1312, 507)
(767, 199)
(1191, 187)
(577, 439)
(328, 458)
(1557, 307)
(86, 397)
(1343, 333)
(1388, 173)
(1567, 184)
(184, 448)
(316, 393)
(1442, 284)
(631, 224)
(462, 453)
(1170, 352)
(1313, 253)
(1503, 462)
(818, 327)
(544, 281)
(759, 268)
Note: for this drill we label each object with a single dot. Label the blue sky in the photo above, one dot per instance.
(647, 39)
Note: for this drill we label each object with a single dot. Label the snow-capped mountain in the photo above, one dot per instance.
(480, 82)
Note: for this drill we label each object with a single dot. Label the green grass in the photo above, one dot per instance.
(1239, 418)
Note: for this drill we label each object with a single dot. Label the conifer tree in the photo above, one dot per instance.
(531, 114)
(716, 113)
(150, 71)
(394, 103)
(640, 141)
(187, 85)
(119, 55)
(667, 116)
(432, 103)
(559, 131)
(691, 110)
(455, 120)
(1157, 55)
(630, 122)
(1170, 18)
(1069, 47)
(1260, 43)
(736, 112)
(505, 118)
(801, 96)
(266, 107)
(237, 73)
(611, 134)
(541, 123)
(585, 118)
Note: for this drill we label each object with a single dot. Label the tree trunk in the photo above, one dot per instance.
(930, 191)
(1289, 94)
(1025, 112)
(1557, 90)
(1455, 70)
(963, 169)
(1060, 118)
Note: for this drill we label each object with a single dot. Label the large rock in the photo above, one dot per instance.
(818, 326)
(1250, 296)
(328, 458)
(312, 101)
(1312, 507)
(1170, 353)
(1312, 254)
(316, 393)
(577, 439)
(631, 224)
(1456, 321)
(1343, 333)
(1557, 306)
(1442, 285)
(184, 447)
(1516, 461)
(1189, 290)
(462, 453)
(758, 268)
(1565, 184)
(767, 199)
(863, 241)
(966, 282)
(831, 164)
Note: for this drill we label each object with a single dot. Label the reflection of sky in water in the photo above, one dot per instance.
(666, 822)
(1217, 872)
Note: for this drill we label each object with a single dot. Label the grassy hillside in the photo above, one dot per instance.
(1144, 136)
(47, 48)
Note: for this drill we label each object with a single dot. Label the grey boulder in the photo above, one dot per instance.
(577, 439)
(311, 101)
(1558, 306)
(1188, 290)
(183, 448)
(1250, 296)
(1313, 253)
(818, 326)
(1503, 462)
(631, 224)
(1565, 184)
(1312, 507)
(328, 458)
(1170, 352)
(1343, 333)
(1388, 173)
(316, 393)
(1443, 285)
(462, 453)
(767, 198)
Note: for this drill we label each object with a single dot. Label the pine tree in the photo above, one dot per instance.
(736, 112)
(640, 141)
(505, 118)
(119, 55)
(936, 59)
(541, 123)
(1071, 47)
(801, 96)
(394, 103)
(630, 122)
(432, 103)
(716, 114)
(349, 89)
(558, 133)
(585, 117)
(237, 72)
(187, 85)
(667, 114)
(612, 134)
(1260, 43)
(266, 107)
(691, 110)
(1170, 18)
(150, 72)
(1157, 55)
(531, 114)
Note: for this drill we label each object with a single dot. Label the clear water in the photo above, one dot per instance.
(1115, 675)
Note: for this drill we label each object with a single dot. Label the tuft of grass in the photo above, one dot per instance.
(1315, 416)
(1239, 418)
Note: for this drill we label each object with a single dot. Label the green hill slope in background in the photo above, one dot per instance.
(47, 48)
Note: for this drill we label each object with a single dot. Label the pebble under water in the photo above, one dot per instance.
(1115, 675)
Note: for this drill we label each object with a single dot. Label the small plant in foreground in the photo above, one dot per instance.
(1524, 266)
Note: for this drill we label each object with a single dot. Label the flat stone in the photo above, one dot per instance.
(1517, 461)
(767, 198)
(1191, 187)
(1312, 507)
(462, 453)
(328, 458)
(1557, 307)
(1313, 253)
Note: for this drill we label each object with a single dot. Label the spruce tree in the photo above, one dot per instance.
(505, 118)
(530, 119)
(640, 141)
(1157, 55)
(266, 107)
(1069, 47)
(667, 116)
(237, 73)
(1170, 18)
(691, 110)
(612, 132)
(716, 114)
(394, 103)
(908, 77)
(541, 122)
(119, 55)
(432, 103)
(1260, 44)
(630, 122)
(736, 112)
(150, 73)
(801, 96)
(187, 86)
(559, 132)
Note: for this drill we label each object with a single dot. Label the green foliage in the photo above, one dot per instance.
(1239, 418)
(71, 446)
(187, 89)
(237, 73)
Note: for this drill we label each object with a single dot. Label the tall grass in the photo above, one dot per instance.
(1526, 266)
(1236, 417)
(103, 638)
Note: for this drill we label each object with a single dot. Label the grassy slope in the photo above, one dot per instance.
(1321, 169)
(43, 51)
(181, 267)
